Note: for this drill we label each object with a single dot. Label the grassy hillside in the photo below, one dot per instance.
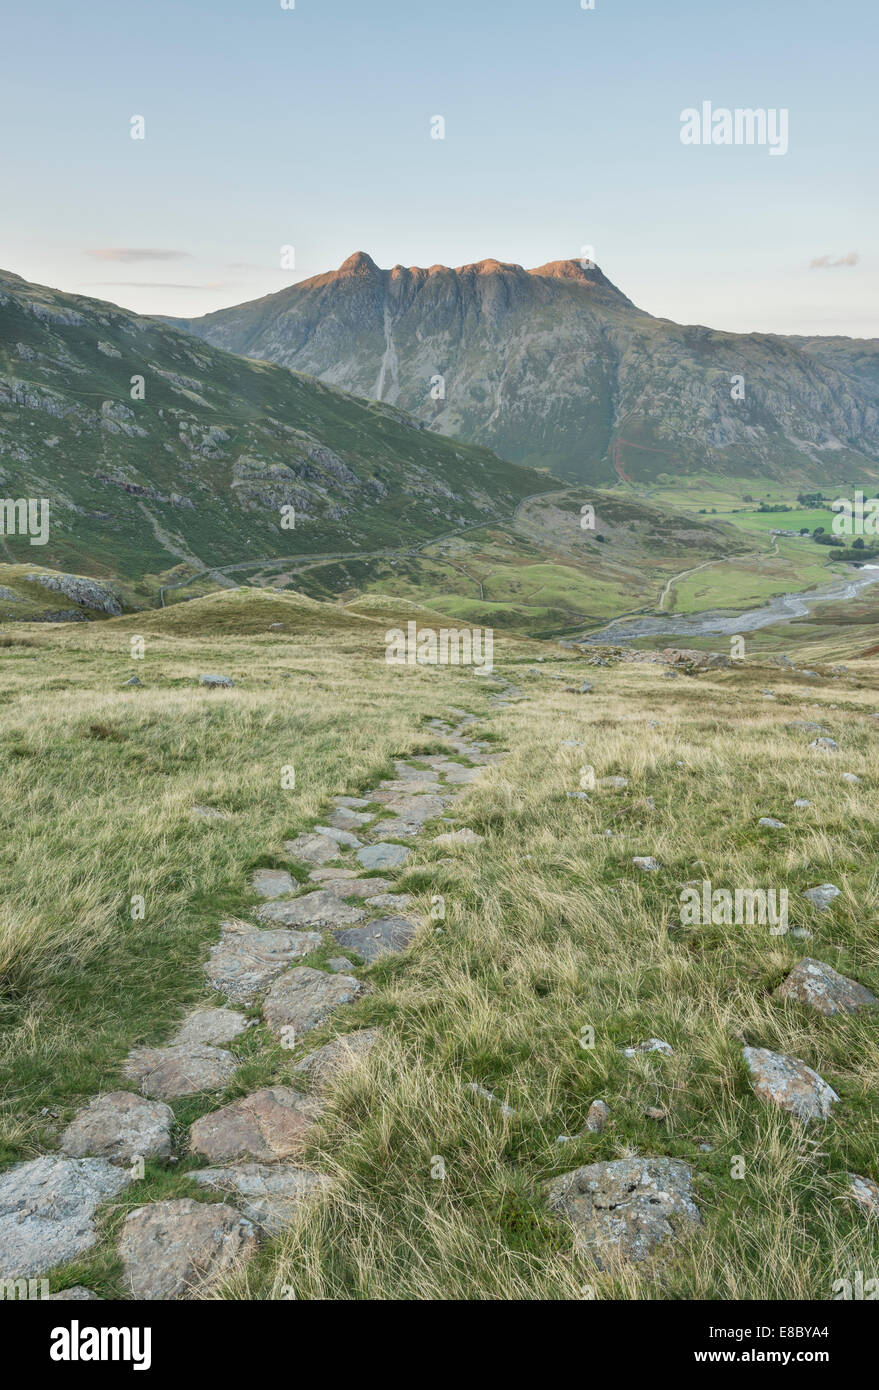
(549, 930)
(197, 471)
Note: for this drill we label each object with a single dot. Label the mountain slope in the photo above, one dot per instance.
(198, 470)
(555, 367)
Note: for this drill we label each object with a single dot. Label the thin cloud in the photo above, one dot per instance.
(828, 263)
(159, 285)
(128, 254)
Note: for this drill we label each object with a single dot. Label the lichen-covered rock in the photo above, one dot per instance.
(340, 837)
(272, 883)
(383, 856)
(268, 1194)
(211, 1026)
(167, 1073)
(815, 983)
(266, 1126)
(326, 1064)
(357, 887)
(622, 1210)
(245, 960)
(304, 997)
(865, 1192)
(120, 1126)
(322, 908)
(789, 1083)
(822, 896)
(178, 1248)
(311, 849)
(458, 837)
(649, 1045)
(596, 1118)
(47, 1209)
(343, 818)
(77, 1293)
(415, 809)
(383, 936)
(689, 660)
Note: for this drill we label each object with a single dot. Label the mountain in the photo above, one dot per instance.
(197, 471)
(555, 367)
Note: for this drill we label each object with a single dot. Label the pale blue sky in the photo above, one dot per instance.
(310, 127)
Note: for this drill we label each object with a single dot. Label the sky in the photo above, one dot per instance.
(311, 127)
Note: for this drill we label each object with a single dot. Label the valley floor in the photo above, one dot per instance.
(543, 955)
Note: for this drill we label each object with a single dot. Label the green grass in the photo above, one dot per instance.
(548, 928)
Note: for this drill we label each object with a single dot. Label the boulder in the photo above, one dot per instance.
(819, 985)
(789, 1083)
(622, 1210)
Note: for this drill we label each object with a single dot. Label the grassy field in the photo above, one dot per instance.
(549, 931)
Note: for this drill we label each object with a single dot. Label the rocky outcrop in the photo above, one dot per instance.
(86, 592)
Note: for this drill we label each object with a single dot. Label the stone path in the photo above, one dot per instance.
(619, 1211)
(174, 1249)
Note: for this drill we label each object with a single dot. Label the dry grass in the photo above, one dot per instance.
(549, 930)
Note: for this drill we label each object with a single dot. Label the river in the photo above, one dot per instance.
(722, 622)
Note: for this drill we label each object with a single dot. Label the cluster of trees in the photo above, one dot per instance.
(859, 549)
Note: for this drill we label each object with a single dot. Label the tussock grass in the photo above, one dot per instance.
(549, 931)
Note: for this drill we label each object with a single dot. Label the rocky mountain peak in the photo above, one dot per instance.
(358, 264)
